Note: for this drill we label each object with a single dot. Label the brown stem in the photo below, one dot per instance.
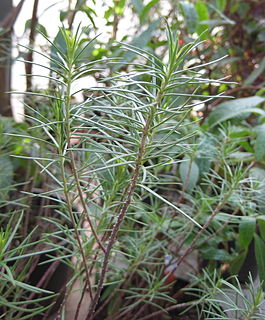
(72, 14)
(192, 246)
(83, 202)
(217, 231)
(80, 302)
(234, 90)
(10, 19)
(32, 35)
(69, 206)
(176, 306)
(121, 215)
(115, 27)
(141, 310)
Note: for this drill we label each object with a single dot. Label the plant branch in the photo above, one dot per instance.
(174, 307)
(29, 56)
(124, 208)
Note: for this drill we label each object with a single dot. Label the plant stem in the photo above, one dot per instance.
(69, 205)
(174, 307)
(192, 246)
(123, 210)
(33, 25)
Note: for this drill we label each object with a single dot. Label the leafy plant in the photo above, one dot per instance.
(131, 179)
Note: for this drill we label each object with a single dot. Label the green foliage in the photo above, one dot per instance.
(144, 173)
(235, 108)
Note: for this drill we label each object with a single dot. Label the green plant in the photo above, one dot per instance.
(134, 178)
(227, 299)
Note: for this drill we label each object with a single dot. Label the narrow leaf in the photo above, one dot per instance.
(170, 204)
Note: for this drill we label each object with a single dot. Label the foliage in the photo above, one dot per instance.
(151, 169)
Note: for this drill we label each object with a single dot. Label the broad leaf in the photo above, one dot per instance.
(6, 175)
(246, 231)
(260, 142)
(146, 10)
(205, 154)
(260, 258)
(261, 223)
(234, 108)
(258, 175)
(140, 41)
(138, 5)
(189, 173)
(221, 4)
(203, 15)
(216, 254)
(190, 15)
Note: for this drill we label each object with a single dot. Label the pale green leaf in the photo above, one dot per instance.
(234, 108)
(190, 15)
(260, 142)
(189, 173)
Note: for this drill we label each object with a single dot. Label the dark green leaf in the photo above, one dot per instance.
(63, 15)
(39, 27)
(260, 258)
(203, 15)
(216, 254)
(205, 153)
(261, 223)
(141, 40)
(146, 10)
(258, 174)
(59, 42)
(260, 143)
(89, 12)
(246, 231)
(237, 263)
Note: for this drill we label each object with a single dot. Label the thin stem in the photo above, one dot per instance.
(33, 25)
(125, 206)
(81, 197)
(65, 186)
(192, 246)
(69, 205)
(175, 307)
